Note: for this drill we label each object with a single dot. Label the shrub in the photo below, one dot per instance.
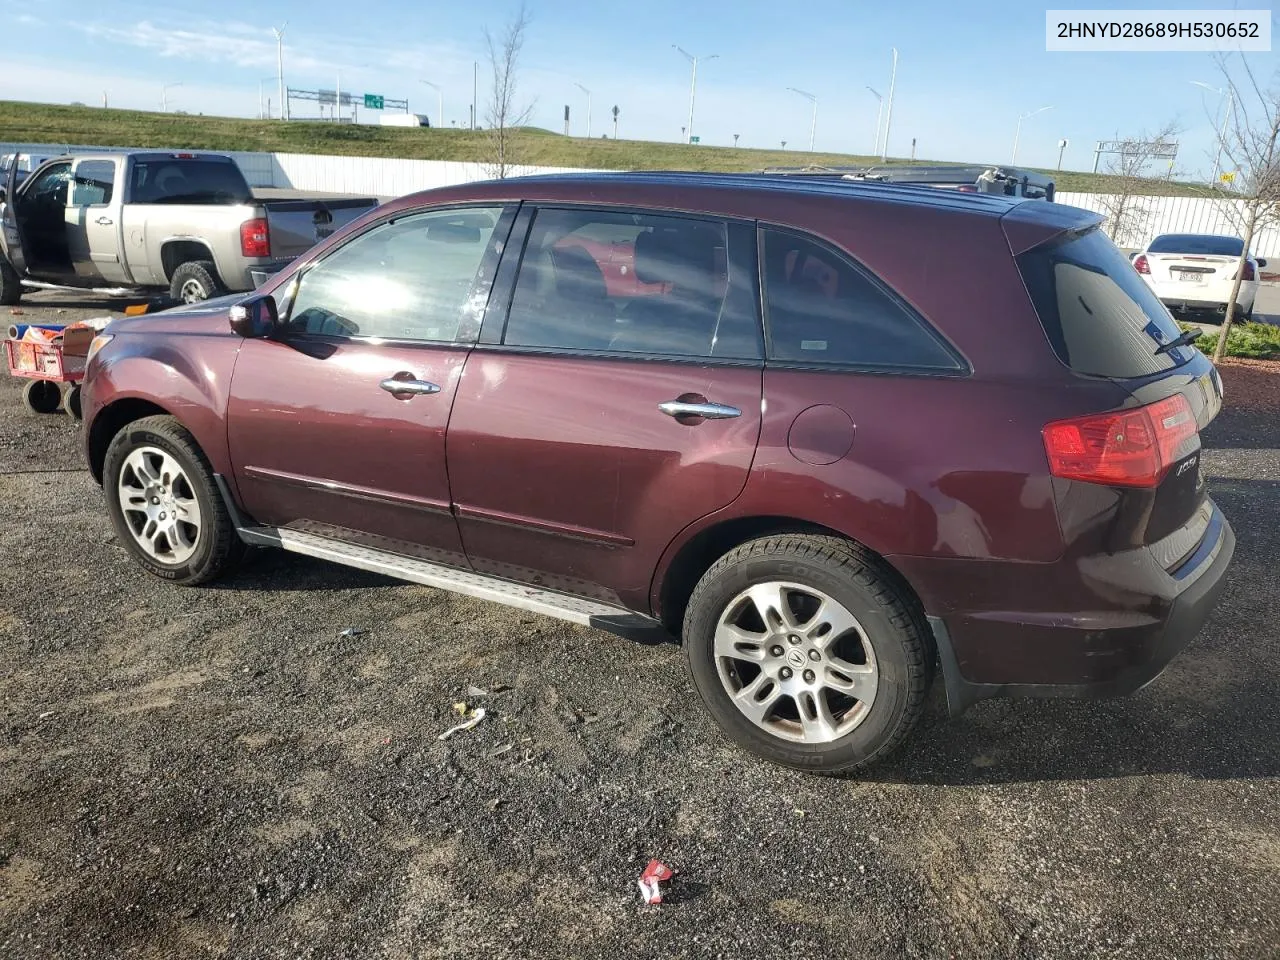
(1258, 341)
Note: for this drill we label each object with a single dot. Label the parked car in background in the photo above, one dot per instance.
(1194, 272)
(21, 163)
(999, 180)
(134, 221)
(828, 472)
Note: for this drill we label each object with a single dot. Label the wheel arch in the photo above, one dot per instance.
(691, 559)
(179, 250)
(109, 421)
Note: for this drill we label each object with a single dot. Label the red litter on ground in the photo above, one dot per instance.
(654, 874)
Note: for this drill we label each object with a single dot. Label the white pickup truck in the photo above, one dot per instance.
(119, 223)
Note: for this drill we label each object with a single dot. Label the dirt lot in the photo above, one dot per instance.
(221, 773)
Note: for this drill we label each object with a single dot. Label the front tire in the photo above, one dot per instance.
(195, 281)
(164, 504)
(808, 652)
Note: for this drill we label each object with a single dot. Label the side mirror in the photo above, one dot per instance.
(1262, 261)
(255, 318)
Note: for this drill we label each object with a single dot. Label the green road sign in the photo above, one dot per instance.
(373, 101)
(695, 139)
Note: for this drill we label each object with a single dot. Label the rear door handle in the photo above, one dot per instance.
(707, 411)
(407, 385)
(104, 221)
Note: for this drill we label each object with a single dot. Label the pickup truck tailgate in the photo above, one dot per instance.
(295, 226)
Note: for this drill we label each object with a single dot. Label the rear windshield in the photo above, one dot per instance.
(1100, 316)
(1197, 244)
(189, 181)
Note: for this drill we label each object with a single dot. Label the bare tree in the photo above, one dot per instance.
(1251, 144)
(1126, 203)
(504, 114)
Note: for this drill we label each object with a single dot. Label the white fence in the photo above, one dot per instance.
(386, 178)
(1156, 215)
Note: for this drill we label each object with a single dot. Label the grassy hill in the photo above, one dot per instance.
(48, 123)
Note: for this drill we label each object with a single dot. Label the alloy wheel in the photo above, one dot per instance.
(796, 662)
(159, 505)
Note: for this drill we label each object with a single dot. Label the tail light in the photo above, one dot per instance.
(1124, 448)
(1140, 263)
(1246, 272)
(255, 239)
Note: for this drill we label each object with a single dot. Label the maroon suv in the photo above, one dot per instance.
(833, 435)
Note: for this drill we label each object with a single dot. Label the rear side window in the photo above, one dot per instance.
(824, 309)
(1193, 243)
(635, 283)
(1100, 316)
(94, 181)
(189, 181)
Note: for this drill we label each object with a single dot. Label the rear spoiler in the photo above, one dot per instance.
(1033, 222)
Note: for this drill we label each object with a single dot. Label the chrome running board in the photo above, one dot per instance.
(550, 603)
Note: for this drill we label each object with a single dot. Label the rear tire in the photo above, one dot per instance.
(41, 396)
(833, 682)
(164, 504)
(195, 281)
(10, 283)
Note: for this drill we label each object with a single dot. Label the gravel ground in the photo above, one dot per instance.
(221, 773)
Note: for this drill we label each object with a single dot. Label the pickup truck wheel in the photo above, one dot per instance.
(10, 283)
(194, 281)
(808, 653)
(41, 396)
(164, 505)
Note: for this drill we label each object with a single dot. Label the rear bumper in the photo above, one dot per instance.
(1097, 655)
(1215, 295)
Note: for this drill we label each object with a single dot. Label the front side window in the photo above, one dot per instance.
(94, 182)
(632, 283)
(824, 309)
(49, 188)
(411, 279)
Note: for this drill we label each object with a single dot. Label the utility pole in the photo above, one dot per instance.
(693, 86)
(879, 110)
(1062, 148)
(888, 115)
(735, 138)
(475, 90)
(284, 101)
(588, 93)
(913, 148)
(813, 127)
(615, 122)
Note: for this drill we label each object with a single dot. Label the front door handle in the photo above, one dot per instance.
(404, 384)
(104, 221)
(707, 411)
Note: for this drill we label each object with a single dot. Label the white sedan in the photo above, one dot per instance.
(1195, 271)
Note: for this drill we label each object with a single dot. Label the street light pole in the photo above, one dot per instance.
(1017, 133)
(888, 114)
(439, 101)
(164, 96)
(1226, 115)
(588, 93)
(875, 148)
(813, 127)
(284, 101)
(693, 83)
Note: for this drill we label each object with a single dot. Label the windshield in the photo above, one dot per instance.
(1195, 243)
(189, 181)
(1100, 316)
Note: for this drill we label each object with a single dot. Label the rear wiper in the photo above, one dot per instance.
(1187, 338)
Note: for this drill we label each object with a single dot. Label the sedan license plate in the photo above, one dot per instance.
(1189, 276)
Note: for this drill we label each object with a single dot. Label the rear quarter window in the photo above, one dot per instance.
(1099, 315)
